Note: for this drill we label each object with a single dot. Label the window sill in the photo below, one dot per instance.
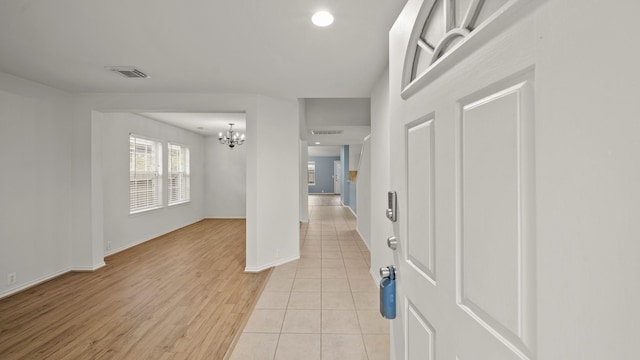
(142, 211)
(180, 203)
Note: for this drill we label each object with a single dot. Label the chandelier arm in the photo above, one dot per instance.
(231, 138)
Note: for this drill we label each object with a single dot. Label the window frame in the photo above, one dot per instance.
(185, 171)
(311, 173)
(153, 177)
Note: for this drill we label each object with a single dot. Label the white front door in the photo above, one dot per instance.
(463, 166)
(515, 163)
(337, 176)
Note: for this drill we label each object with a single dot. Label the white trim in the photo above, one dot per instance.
(482, 34)
(129, 246)
(88, 268)
(226, 218)
(255, 269)
(363, 240)
(142, 211)
(353, 212)
(184, 202)
(33, 283)
(366, 138)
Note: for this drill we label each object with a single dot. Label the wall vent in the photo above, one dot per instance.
(128, 72)
(326, 132)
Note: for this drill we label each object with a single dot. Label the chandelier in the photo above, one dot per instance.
(231, 137)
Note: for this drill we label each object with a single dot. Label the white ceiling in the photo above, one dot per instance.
(210, 124)
(351, 116)
(250, 46)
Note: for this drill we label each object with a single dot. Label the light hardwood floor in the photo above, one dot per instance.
(183, 295)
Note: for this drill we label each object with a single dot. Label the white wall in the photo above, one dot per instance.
(271, 237)
(121, 229)
(337, 111)
(354, 156)
(276, 181)
(304, 185)
(304, 158)
(36, 135)
(363, 189)
(381, 227)
(58, 137)
(225, 180)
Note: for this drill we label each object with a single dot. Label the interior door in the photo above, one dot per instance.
(463, 166)
(337, 176)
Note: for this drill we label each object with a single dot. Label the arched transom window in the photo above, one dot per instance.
(443, 26)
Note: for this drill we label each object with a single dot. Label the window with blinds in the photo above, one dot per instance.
(311, 173)
(178, 179)
(145, 174)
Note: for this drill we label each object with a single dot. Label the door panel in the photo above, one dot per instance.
(495, 250)
(420, 342)
(420, 249)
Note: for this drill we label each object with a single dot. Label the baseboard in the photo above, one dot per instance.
(129, 246)
(353, 212)
(33, 283)
(363, 239)
(227, 218)
(88, 268)
(254, 269)
(375, 277)
(51, 276)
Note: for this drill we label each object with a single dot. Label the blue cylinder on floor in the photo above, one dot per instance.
(388, 298)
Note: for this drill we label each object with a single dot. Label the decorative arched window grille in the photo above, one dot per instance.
(442, 27)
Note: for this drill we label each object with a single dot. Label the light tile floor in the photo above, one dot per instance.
(323, 306)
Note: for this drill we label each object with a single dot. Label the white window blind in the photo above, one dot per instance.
(179, 179)
(145, 174)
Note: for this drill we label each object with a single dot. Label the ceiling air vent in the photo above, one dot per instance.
(128, 72)
(326, 132)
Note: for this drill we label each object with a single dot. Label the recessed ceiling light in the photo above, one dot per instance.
(322, 18)
(317, 142)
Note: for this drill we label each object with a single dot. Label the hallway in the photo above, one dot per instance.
(323, 306)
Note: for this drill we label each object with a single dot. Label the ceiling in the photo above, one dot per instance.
(240, 46)
(347, 119)
(202, 123)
